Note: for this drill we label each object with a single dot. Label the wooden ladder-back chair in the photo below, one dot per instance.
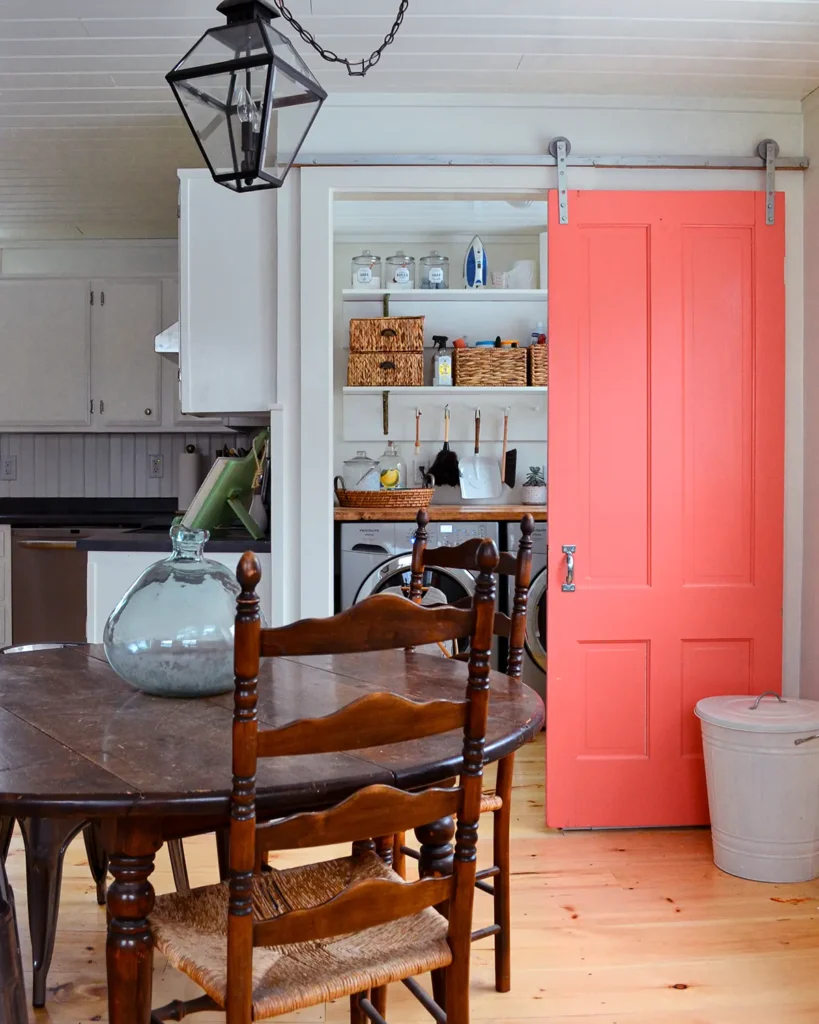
(498, 803)
(350, 926)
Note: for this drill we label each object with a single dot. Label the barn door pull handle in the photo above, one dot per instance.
(569, 550)
(767, 693)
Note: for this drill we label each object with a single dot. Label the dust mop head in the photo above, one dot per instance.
(444, 469)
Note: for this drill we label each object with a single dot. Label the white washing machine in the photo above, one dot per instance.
(377, 556)
(534, 659)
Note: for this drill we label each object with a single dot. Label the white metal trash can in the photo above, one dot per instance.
(762, 770)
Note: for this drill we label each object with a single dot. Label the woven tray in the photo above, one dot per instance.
(538, 365)
(418, 497)
(490, 367)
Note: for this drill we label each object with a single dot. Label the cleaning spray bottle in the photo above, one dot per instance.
(441, 363)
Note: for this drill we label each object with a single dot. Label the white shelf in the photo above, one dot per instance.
(428, 390)
(447, 295)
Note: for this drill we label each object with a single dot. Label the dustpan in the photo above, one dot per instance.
(480, 476)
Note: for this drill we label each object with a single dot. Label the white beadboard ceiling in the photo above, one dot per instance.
(90, 136)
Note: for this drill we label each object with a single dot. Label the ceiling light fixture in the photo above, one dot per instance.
(249, 98)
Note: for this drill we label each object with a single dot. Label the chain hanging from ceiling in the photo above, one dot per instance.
(357, 68)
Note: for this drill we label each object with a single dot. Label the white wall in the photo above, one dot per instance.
(810, 582)
(102, 465)
(92, 258)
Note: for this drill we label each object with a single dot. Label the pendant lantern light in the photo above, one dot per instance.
(247, 96)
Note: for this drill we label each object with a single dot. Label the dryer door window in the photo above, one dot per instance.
(536, 619)
(441, 586)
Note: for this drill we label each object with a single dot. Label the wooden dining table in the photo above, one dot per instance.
(79, 745)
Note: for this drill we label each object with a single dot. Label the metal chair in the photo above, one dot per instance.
(12, 987)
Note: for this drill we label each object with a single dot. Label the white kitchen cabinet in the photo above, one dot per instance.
(125, 369)
(172, 416)
(228, 285)
(5, 585)
(45, 353)
(111, 573)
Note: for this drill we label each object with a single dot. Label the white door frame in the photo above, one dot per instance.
(319, 188)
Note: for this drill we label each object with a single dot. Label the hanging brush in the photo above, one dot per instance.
(445, 467)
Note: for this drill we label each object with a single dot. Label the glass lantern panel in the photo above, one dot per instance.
(228, 42)
(225, 110)
(284, 50)
(291, 113)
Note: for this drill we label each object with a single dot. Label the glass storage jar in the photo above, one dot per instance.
(366, 270)
(391, 467)
(361, 473)
(400, 271)
(434, 270)
(172, 633)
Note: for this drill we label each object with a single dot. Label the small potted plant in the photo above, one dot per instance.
(534, 487)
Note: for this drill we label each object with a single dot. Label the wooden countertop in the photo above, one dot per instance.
(442, 513)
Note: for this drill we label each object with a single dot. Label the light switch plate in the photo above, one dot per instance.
(155, 464)
(8, 468)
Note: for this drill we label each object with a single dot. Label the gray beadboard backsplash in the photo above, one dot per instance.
(101, 465)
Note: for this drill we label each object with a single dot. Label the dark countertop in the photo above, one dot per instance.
(234, 541)
(87, 512)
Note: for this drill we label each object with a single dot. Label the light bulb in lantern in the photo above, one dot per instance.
(248, 109)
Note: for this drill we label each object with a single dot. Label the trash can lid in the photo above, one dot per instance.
(765, 713)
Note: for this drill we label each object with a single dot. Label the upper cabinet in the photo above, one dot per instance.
(78, 355)
(125, 370)
(45, 332)
(227, 316)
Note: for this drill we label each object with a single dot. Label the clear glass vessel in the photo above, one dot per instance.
(434, 270)
(400, 271)
(172, 633)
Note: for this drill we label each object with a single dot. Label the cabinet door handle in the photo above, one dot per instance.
(102, 406)
(148, 412)
(92, 406)
(102, 298)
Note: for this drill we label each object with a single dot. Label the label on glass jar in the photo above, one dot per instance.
(436, 275)
(364, 275)
(402, 275)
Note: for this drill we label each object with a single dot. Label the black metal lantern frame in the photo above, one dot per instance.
(241, 137)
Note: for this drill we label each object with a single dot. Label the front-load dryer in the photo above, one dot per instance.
(534, 658)
(377, 556)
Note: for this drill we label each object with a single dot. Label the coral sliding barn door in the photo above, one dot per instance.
(666, 473)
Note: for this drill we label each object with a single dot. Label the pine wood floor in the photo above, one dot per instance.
(609, 928)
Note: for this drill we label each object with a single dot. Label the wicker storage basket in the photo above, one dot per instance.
(387, 334)
(490, 367)
(538, 365)
(385, 369)
(418, 497)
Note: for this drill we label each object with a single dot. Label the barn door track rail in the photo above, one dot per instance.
(766, 158)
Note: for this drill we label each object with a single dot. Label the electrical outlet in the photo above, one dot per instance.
(8, 468)
(155, 466)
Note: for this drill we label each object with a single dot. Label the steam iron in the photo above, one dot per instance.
(475, 264)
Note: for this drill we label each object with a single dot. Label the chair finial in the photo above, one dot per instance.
(527, 524)
(249, 571)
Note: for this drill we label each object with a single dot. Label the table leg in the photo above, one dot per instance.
(6, 829)
(129, 950)
(97, 859)
(45, 841)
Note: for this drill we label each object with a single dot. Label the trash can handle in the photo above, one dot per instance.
(767, 693)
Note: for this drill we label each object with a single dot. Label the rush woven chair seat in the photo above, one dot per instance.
(499, 802)
(267, 944)
(192, 934)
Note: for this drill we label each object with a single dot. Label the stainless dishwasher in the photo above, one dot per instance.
(48, 584)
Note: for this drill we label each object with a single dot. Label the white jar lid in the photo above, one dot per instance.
(766, 714)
